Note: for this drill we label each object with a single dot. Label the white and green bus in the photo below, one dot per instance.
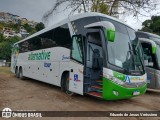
(151, 47)
(89, 53)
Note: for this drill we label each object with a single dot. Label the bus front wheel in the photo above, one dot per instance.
(67, 85)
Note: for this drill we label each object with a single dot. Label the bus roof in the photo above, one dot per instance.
(149, 34)
(72, 18)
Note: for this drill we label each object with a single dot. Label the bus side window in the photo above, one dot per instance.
(62, 36)
(148, 57)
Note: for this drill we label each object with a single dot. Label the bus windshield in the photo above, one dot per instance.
(122, 52)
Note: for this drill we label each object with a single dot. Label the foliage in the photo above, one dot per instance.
(15, 27)
(152, 25)
(6, 46)
(110, 7)
(6, 43)
(39, 26)
(28, 27)
(101, 7)
(1, 26)
(33, 31)
(1, 38)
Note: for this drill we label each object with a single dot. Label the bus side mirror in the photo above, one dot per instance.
(110, 35)
(149, 42)
(154, 49)
(109, 31)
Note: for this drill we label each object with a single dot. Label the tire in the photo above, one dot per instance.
(66, 85)
(17, 72)
(21, 74)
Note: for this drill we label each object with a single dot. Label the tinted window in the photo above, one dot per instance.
(78, 25)
(58, 37)
(34, 43)
(47, 40)
(24, 47)
(62, 36)
(94, 37)
(148, 56)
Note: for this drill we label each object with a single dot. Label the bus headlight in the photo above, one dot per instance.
(115, 93)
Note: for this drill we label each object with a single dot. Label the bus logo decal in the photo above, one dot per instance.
(40, 56)
(76, 78)
(127, 79)
(65, 58)
(47, 65)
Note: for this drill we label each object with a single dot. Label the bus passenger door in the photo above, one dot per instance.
(76, 65)
(150, 65)
(151, 80)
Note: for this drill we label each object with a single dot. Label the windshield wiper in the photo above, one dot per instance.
(136, 48)
(130, 52)
(140, 61)
(136, 51)
(133, 52)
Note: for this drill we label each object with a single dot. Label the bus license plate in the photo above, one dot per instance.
(136, 93)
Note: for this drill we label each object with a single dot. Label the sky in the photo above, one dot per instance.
(30, 9)
(35, 9)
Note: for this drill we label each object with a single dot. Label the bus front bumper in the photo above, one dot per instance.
(113, 91)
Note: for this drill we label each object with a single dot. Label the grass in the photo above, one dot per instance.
(5, 70)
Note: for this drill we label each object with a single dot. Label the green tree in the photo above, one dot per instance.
(33, 31)
(100, 6)
(40, 26)
(1, 26)
(28, 27)
(5, 51)
(152, 25)
(1, 38)
(15, 27)
(110, 7)
(6, 48)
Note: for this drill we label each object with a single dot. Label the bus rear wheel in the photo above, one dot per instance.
(67, 85)
(21, 74)
(17, 72)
